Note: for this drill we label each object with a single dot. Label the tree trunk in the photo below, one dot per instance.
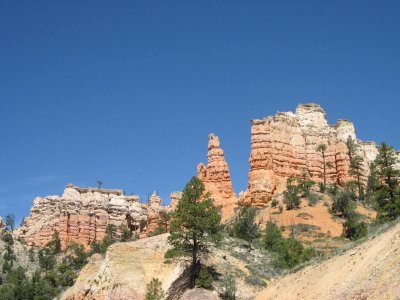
(323, 158)
(193, 268)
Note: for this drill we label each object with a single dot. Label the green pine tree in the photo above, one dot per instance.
(194, 226)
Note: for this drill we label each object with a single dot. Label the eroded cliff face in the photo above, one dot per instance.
(81, 216)
(285, 145)
(217, 179)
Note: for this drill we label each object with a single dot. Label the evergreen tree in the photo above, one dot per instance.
(46, 259)
(245, 228)
(31, 254)
(388, 194)
(356, 164)
(55, 243)
(194, 225)
(164, 220)
(10, 221)
(154, 290)
(305, 183)
(322, 148)
(126, 234)
(292, 194)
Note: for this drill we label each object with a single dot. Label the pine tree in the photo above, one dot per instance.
(245, 227)
(55, 243)
(194, 226)
(356, 164)
(388, 195)
(10, 221)
(322, 148)
(154, 290)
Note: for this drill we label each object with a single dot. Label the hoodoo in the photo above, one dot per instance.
(217, 179)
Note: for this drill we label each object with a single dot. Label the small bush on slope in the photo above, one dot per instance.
(289, 251)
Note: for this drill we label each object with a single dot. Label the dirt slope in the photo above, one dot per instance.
(369, 271)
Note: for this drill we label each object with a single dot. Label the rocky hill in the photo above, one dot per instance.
(81, 215)
(368, 271)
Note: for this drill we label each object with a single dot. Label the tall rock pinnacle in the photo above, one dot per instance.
(216, 177)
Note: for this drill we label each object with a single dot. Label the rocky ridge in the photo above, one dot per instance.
(81, 215)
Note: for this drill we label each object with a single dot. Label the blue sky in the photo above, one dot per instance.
(127, 92)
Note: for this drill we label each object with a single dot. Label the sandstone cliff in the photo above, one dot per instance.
(285, 145)
(217, 179)
(126, 270)
(81, 215)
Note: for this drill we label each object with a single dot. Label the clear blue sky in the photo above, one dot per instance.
(127, 92)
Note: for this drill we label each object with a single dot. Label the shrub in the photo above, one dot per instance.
(228, 287)
(254, 281)
(291, 252)
(204, 279)
(291, 195)
(245, 228)
(126, 234)
(154, 290)
(274, 202)
(312, 199)
(280, 207)
(272, 235)
(159, 230)
(344, 204)
(332, 189)
(354, 230)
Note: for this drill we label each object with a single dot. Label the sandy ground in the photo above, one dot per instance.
(369, 271)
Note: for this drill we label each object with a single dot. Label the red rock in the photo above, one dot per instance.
(285, 145)
(217, 179)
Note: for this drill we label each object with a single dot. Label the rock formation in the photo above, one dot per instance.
(81, 215)
(175, 198)
(285, 145)
(126, 270)
(216, 177)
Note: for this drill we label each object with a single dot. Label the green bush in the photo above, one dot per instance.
(312, 198)
(272, 235)
(274, 202)
(344, 204)
(126, 234)
(291, 196)
(244, 227)
(154, 290)
(204, 279)
(289, 252)
(159, 230)
(228, 287)
(354, 230)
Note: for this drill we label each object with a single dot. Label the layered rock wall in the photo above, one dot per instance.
(285, 145)
(82, 215)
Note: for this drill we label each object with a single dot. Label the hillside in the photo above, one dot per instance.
(369, 271)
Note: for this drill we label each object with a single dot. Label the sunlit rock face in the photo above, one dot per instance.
(81, 216)
(217, 179)
(285, 145)
(2, 226)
